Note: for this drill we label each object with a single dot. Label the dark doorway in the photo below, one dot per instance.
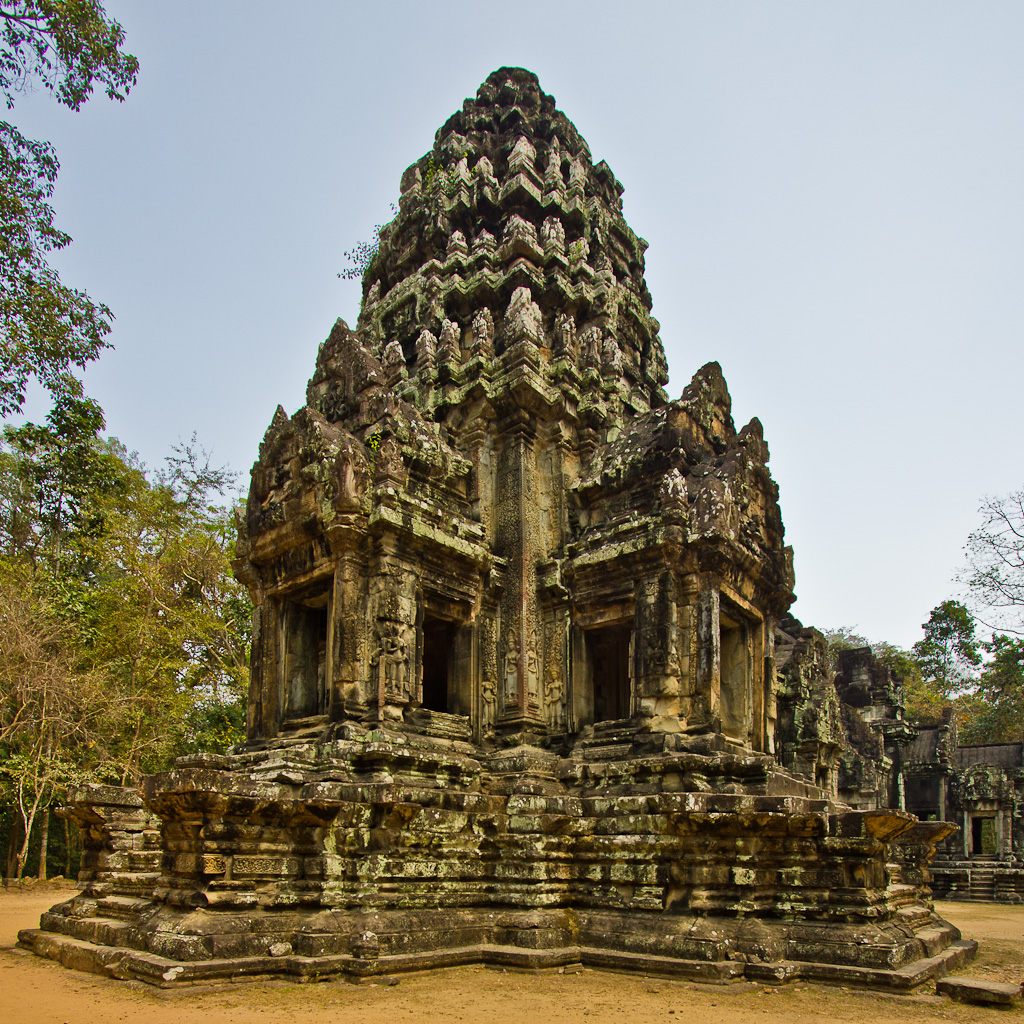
(305, 661)
(608, 647)
(983, 836)
(438, 638)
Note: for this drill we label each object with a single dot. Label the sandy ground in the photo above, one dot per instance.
(36, 991)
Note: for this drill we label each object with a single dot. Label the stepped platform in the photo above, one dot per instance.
(389, 853)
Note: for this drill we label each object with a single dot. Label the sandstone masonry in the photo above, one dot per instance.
(522, 686)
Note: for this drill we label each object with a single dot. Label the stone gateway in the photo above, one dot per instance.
(516, 679)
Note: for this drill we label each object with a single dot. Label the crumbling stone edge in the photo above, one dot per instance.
(162, 972)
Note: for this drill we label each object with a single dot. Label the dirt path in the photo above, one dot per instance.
(36, 991)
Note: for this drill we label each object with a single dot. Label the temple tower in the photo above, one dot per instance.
(488, 521)
(514, 677)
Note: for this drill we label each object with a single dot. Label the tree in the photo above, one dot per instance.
(51, 713)
(46, 328)
(995, 555)
(119, 616)
(53, 473)
(171, 623)
(950, 653)
(994, 713)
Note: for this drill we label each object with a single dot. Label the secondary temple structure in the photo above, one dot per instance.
(524, 688)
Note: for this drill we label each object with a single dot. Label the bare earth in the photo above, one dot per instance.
(34, 990)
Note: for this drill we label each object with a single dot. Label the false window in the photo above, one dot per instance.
(305, 657)
(735, 670)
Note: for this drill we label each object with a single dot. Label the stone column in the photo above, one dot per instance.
(347, 623)
(392, 639)
(769, 685)
(519, 657)
(659, 651)
(707, 693)
(121, 840)
(264, 716)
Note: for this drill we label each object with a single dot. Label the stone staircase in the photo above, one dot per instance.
(609, 739)
(981, 879)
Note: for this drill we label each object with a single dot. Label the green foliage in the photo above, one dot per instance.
(214, 725)
(950, 653)
(923, 703)
(436, 180)
(52, 475)
(994, 712)
(363, 254)
(842, 638)
(67, 46)
(175, 624)
(432, 174)
(125, 636)
(49, 708)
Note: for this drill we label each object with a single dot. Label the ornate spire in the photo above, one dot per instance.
(508, 208)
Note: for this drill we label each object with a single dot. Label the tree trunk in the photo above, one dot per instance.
(67, 846)
(44, 842)
(12, 848)
(28, 818)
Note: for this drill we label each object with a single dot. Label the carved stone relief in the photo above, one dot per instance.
(483, 334)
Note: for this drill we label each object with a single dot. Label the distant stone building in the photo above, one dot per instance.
(981, 789)
(524, 689)
(844, 727)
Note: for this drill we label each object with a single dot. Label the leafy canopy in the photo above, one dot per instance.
(996, 710)
(950, 653)
(46, 328)
(116, 595)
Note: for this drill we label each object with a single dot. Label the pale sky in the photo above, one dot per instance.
(831, 193)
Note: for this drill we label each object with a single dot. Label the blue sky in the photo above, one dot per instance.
(831, 192)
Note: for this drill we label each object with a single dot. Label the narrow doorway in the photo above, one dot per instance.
(983, 836)
(438, 641)
(608, 648)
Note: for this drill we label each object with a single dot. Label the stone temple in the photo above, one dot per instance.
(524, 688)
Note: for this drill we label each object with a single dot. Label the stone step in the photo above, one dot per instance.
(914, 915)
(900, 892)
(934, 940)
(101, 931)
(973, 990)
(121, 907)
